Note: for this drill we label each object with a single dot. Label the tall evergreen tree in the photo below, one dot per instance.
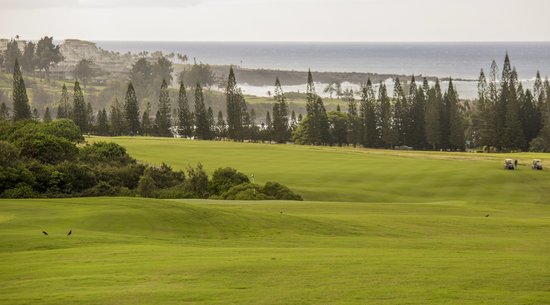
(47, 116)
(131, 111)
(355, 126)
(211, 123)
(79, 114)
(456, 128)
(236, 107)
(21, 107)
(185, 117)
(280, 115)
(368, 116)
(102, 123)
(146, 125)
(513, 131)
(401, 112)
(202, 130)
(64, 107)
(163, 118)
(433, 119)
(418, 128)
(117, 119)
(389, 137)
(4, 112)
(220, 126)
(90, 118)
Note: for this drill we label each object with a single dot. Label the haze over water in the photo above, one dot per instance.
(458, 60)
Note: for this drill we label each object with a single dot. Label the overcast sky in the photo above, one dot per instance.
(278, 20)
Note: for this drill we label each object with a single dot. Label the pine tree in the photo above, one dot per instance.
(268, 131)
(146, 126)
(64, 107)
(418, 128)
(280, 115)
(163, 118)
(185, 117)
(21, 107)
(529, 117)
(47, 116)
(35, 115)
(401, 113)
(131, 111)
(117, 118)
(514, 138)
(220, 126)
(311, 96)
(102, 123)
(11, 55)
(456, 129)
(90, 119)
(4, 112)
(433, 119)
(355, 125)
(368, 116)
(293, 121)
(211, 123)
(202, 130)
(388, 137)
(79, 114)
(236, 107)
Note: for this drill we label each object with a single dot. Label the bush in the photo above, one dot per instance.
(107, 153)
(47, 148)
(22, 190)
(175, 192)
(245, 191)
(197, 182)
(146, 186)
(225, 178)
(164, 176)
(280, 192)
(101, 189)
(66, 129)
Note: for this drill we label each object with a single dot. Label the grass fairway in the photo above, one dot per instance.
(387, 227)
(142, 251)
(346, 174)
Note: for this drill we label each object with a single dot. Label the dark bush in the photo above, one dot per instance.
(280, 192)
(22, 190)
(225, 178)
(105, 153)
(245, 191)
(164, 176)
(197, 182)
(47, 148)
(66, 129)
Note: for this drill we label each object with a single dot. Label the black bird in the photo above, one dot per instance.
(70, 232)
(487, 215)
(44, 232)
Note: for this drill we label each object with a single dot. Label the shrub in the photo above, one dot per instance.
(280, 192)
(225, 178)
(245, 191)
(146, 186)
(164, 176)
(66, 129)
(22, 190)
(101, 189)
(107, 153)
(197, 182)
(47, 148)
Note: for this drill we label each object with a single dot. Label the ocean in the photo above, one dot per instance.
(461, 61)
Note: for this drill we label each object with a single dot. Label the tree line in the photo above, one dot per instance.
(416, 115)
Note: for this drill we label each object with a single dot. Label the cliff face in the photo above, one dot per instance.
(75, 50)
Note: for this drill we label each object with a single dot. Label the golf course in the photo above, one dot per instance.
(375, 227)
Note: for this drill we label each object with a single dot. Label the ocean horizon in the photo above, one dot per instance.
(458, 60)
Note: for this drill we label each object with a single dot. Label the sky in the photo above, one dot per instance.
(278, 20)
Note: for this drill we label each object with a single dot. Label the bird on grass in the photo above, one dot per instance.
(45, 233)
(487, 215)
(70, 232)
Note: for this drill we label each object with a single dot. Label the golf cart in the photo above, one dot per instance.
(509, 164)
(537, 164)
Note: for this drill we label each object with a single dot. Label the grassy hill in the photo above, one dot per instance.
(347, 174)
(386, 227)
(144, 251)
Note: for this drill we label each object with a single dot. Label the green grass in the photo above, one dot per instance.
(385, 227)
(142, 251)
(346, 174)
